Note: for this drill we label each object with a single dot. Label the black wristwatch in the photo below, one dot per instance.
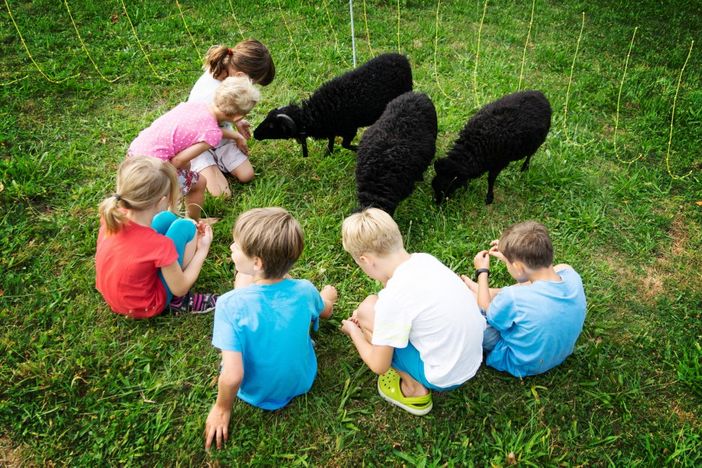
(481, 270)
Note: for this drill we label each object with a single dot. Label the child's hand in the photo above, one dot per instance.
(217, 427)
(349, 327)
(495, 250)
(329, 294)
(482, 259)
(241, 143)
(204, 235)
(244, 127)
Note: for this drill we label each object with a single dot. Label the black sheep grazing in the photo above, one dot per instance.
(342, 105)
(506, 130)
(395, 151)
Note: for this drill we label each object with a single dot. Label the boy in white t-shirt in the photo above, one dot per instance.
(423, 331)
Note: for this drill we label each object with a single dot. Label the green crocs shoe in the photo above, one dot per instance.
(389, 389)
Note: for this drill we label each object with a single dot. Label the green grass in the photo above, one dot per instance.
(80, 385)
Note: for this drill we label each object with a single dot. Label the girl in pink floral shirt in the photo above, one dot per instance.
(191, 128)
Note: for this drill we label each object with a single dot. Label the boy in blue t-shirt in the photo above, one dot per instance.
(263, 325)
(533, 325)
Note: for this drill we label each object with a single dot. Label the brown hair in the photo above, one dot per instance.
(141, 182)
(370, 231)
(273, 235)
(527, 242)
(249, 56)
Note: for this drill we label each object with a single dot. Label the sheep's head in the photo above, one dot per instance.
(278, 125)
(446, 180)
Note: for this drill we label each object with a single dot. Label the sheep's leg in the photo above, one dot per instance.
(492, 175)
(525, 166)
(330, 145)
(346, 142)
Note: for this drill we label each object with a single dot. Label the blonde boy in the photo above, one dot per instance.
(423, 331)
(263, 325)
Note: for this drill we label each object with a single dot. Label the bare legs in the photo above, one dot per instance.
(217, 183)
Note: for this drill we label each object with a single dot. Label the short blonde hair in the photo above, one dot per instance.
(371, 231)
(141, 183)
(527, 242)
(236, 95)
(273, 235)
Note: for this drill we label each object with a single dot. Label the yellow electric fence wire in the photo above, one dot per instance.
(187, 29)
(333, 31)
(7, 5)
(292, 42)
(526, 43)
(365, 20)
(619, 98)
(136, 36)
(14, 81)
(241, 33)
(672, 117)
(436, 47)
(85, 49)
(477, 56)
(570, 78)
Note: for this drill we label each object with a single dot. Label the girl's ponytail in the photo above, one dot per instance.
(142, 182)
(250, 57)
(217, 59)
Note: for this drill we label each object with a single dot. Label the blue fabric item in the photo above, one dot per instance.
(270, 326)
(180, 231)
(538, 324)
(490, 338)
(408, 360)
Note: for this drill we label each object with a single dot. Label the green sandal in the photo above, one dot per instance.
(389, 389)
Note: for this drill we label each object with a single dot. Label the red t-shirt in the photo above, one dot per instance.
(126, 269)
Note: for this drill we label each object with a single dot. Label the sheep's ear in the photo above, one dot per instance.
(287, 122)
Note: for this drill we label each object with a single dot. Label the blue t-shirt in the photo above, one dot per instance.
(538, 324)
(270, 326)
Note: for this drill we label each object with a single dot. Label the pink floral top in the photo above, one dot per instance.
(183, 126)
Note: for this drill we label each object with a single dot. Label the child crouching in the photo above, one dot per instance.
(423, 331)
(263, 329)
(533, 325)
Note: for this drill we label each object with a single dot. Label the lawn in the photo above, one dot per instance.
(617, 183)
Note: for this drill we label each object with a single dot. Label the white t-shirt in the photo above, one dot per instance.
(429, 305)
(204, 91)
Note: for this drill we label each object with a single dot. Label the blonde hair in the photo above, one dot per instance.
(527, 242)
(236, 95)
(141, 182)
(370, 231)
(249, 56)
(273, 235)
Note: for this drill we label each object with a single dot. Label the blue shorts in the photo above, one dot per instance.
(408, 360)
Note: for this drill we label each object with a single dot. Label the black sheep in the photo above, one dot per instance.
(509, 129)
(395, 151)
(342, 105)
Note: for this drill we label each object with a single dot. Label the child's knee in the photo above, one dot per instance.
(366, 309)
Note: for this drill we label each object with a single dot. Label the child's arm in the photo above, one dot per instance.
(482, 261)
(181, 280)
(238, 139)
(230, 377)
(329, 296)
(182, 159)
(377, 358)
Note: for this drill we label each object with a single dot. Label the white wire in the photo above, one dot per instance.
(353, 34)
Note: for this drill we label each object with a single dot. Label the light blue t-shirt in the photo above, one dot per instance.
(538, 324)
(270, 326)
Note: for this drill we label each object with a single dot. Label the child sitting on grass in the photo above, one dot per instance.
(145, 254)
(423, 331)
(248, 58)
(533, 325)
(263, 328)
(190, 128)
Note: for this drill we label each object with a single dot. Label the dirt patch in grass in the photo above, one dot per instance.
(11, 455)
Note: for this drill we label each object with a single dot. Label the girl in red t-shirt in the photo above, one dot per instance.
(147, 258)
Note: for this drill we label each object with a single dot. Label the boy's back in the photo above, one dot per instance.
(428, 304)
(538, 324)
(270, 325)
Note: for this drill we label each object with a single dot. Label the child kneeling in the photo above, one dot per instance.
(263, 325)
(533, 325)
(423, 331)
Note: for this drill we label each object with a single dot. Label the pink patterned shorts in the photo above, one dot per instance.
(186, 180)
